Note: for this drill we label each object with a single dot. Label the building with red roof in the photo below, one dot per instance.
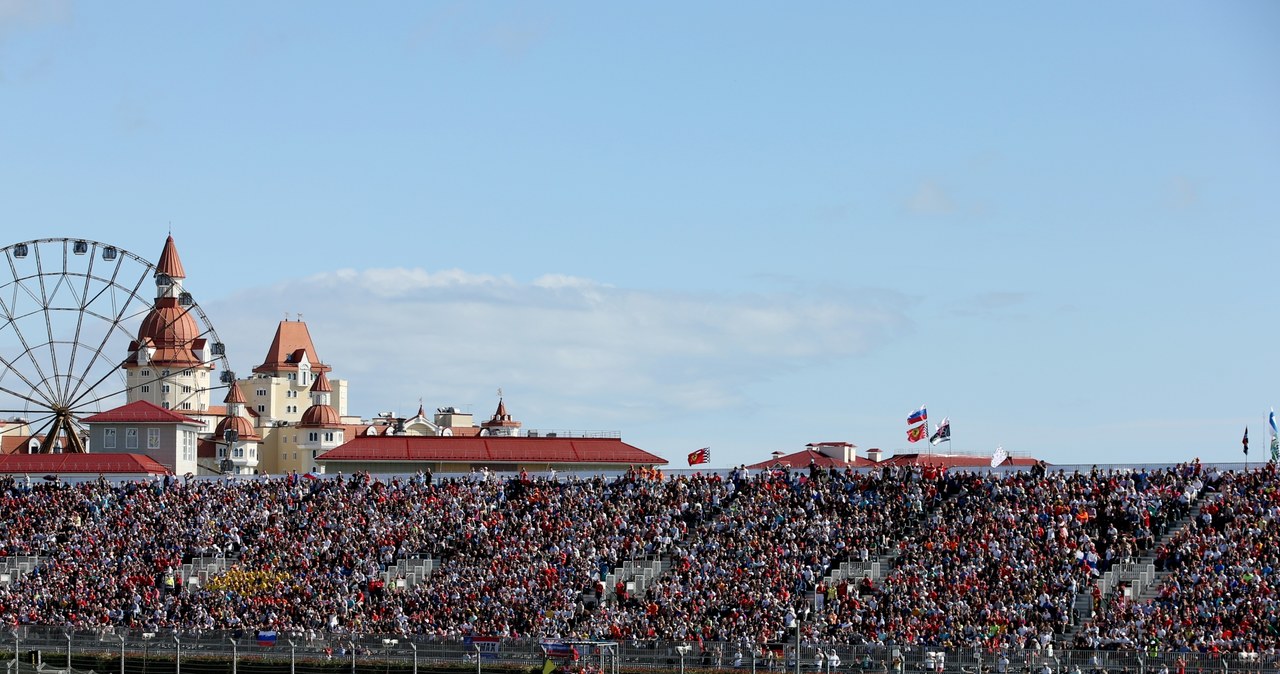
(839, 455)
(842, 455)
(142, 427)
(454, 454)
(83, 465)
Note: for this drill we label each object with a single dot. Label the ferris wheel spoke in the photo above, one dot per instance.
(116, 321)
(46, 400)
(43, 404)
(83, 303)
(27, 350)
(45, 300)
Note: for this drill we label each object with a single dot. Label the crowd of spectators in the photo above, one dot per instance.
(969, 559)
(1220, 590)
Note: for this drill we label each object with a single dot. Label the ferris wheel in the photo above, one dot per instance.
(70, 310)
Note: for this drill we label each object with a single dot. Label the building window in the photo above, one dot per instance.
(164, 373)
(188, 445)
(284, 455)
(164, 388)
(146, 389)
(293, 376)
(186, 389)
(295, 456)
(262, 408)
(186, 373)
(328, 437)
(130, 438)
(153, 438)
(146, 373)
(108, 438)
(313, 453)
(186, 406)
(165, 404)
(261, 393)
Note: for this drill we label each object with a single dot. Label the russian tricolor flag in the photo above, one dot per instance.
(267, 638)
(917, 416)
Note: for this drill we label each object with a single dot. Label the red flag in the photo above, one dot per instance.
(918, 433)
(701, 456)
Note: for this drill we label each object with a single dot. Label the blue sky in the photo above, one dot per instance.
(748, 226)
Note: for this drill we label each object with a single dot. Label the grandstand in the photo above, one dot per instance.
(1141, 561)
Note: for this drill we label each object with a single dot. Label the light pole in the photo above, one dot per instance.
(293, 661)
(121, 636)
(800, 616)
(69, 633)
(177, 662)
(415, 656)
(235, 656)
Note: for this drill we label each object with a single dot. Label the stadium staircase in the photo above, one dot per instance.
(636, 574)
(198, 571)
(1136, 581)
(855, 571)
(14, 568)
(408, 572)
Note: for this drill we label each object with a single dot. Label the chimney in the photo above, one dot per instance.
(875, 454)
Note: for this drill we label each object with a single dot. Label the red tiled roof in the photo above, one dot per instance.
(169, 262)
(320, 416)
(81, 464)
(172, 331)
(292, 340)
(235, 396)
(321, 385)
(141, 412)
(501, 419)
(245, 432)
(802, 458)
(10, 444)
(489, 449)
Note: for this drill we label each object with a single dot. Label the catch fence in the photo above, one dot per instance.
(46, 650)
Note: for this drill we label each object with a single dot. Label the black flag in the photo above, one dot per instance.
(942, 433)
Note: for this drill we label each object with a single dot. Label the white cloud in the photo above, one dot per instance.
(15, 13)
(931, 199)
(568, 351)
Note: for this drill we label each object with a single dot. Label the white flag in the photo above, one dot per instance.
(999, 457)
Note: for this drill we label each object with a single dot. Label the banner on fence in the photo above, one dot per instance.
(559, 651)
(487, 647)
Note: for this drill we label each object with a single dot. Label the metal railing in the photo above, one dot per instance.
(48, 650)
